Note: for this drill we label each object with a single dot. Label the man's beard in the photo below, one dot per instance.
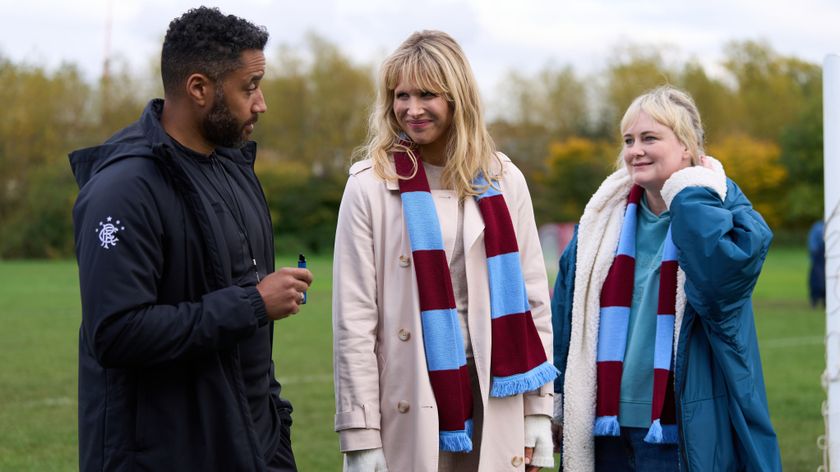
(220, 127)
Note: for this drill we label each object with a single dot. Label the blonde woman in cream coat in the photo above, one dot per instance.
(386, 413)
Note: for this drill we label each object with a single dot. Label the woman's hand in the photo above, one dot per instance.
(366, 460)
(539, 446)
(529, 454)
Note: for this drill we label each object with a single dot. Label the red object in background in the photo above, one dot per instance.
(554, 237)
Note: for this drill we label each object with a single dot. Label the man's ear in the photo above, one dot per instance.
(200, 89)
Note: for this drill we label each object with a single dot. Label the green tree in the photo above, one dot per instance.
(40, 225)
(772, 90)
(756, 167)
(779, 100)
(551, 105)
(802, 156)
(713, 98)
(763, 120)
(575, 169)
(631, 71)
(304, 207)
(43, 117)
(318, 108)
(119, 99)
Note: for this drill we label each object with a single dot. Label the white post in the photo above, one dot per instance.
(831, 180)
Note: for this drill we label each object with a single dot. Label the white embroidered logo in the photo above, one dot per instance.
(108, 232)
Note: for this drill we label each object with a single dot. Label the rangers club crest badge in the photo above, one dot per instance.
(107, 231)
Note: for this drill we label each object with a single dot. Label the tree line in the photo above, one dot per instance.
(762, 112)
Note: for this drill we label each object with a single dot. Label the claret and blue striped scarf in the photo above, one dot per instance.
(518, 362)
(616, 300)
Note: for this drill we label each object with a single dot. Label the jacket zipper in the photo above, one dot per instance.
(195, 202)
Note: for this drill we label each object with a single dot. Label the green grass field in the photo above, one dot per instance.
(39, 322)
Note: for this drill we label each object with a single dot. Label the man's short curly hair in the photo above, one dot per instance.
(206, 41)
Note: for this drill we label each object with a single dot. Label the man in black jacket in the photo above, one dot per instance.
(176, 266)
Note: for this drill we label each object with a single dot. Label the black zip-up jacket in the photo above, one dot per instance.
(160, 378)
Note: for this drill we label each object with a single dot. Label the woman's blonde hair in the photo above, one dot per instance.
(434, 62)
(673, 108)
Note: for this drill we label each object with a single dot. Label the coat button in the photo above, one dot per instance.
(404, 334)
(403, 406)
(405, 261)
(517, 461)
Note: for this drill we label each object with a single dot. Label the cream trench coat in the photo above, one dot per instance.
(382, 389)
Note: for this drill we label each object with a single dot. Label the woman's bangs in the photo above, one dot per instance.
(419, 70)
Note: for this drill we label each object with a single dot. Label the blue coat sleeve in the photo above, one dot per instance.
(722, 246)
(561, 310)
(124, 324)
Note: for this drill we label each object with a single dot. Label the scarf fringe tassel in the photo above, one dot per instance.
(606, 426)
(658, 434)
(457, 441)
(525, 382)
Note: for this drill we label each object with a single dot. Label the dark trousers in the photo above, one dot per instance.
(283, 459)
(630, 452)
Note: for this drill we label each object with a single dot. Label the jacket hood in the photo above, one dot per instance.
(137, 140)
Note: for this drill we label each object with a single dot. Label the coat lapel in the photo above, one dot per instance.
(473, 223)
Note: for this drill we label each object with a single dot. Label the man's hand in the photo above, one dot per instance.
(282, 291)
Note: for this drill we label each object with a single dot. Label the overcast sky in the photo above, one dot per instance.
(497, 35)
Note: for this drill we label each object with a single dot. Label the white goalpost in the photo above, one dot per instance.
(831, 175)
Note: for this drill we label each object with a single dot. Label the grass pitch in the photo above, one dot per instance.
(39, 322)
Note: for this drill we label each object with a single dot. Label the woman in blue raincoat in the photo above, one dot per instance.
(653, 322)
